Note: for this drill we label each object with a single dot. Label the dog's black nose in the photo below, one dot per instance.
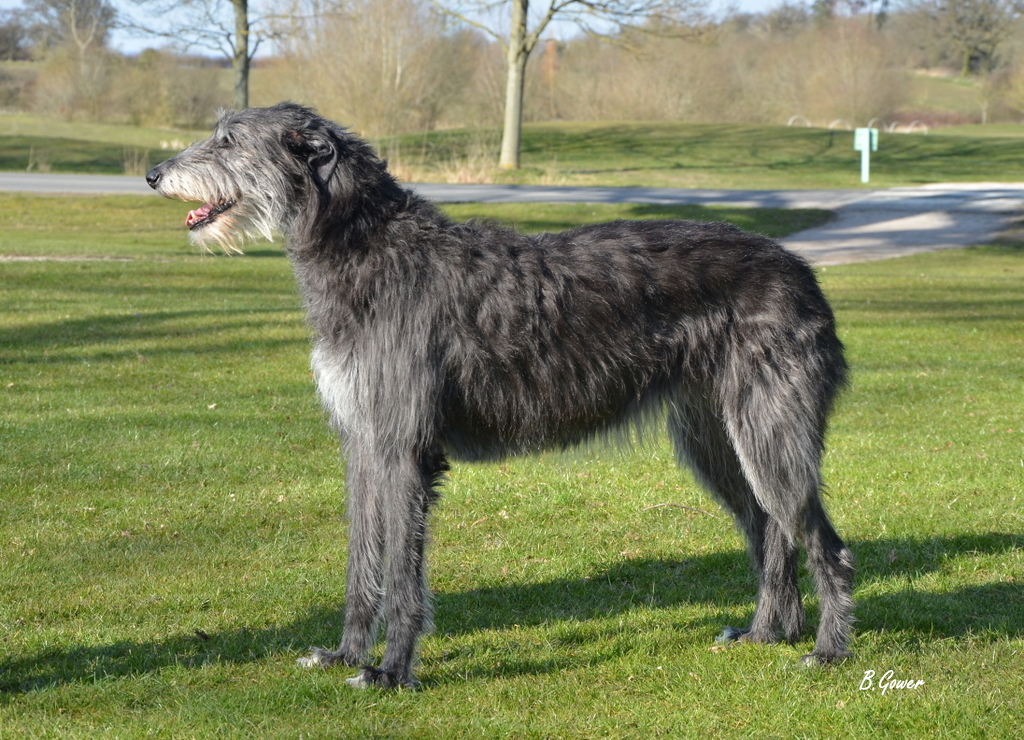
(153, 177)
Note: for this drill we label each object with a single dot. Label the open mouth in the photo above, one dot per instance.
(206, 214)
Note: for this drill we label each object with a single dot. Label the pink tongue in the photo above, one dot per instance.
(198, 214)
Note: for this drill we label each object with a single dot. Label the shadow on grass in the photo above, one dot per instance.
(111, 337)
(719, 580)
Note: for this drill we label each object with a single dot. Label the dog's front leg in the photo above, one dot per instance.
(389, 501)
(403, 483)
(364, 586)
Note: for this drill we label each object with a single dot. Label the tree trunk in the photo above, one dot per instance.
(240, 61)
(518, 52)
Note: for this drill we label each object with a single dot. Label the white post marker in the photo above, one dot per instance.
(865, 141)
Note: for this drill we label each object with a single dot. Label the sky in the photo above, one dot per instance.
(131, 44)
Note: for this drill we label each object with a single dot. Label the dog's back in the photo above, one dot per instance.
(553, 338)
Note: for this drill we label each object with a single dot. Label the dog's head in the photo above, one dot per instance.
(260, 169)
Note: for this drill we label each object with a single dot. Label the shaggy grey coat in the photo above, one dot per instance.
(438, 340)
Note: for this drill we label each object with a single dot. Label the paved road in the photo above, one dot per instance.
(869, 224)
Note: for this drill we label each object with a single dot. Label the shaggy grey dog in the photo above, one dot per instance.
(436, 339)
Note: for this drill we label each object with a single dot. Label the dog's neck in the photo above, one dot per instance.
(347, 246)
(340, 219)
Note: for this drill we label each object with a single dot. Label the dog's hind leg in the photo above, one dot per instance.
(776, 425)
(778, 595)
(832, 565)
(702, 443)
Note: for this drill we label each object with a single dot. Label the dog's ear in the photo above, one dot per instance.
(323, 159)
(318, 148)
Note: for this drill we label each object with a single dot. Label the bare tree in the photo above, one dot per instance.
(520, 37)
(971, 31)
(15, 40)
(83, 25)
(384, 66)
(229, 27)
(71, 36)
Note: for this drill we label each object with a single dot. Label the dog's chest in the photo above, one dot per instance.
(337, 377)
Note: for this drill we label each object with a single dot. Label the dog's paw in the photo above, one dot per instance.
(731, 634)
(370, 677)
(320, 658)
(813, 660)
(313, 660)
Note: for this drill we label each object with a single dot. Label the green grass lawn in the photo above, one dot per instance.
(171, 536)
(640, 154)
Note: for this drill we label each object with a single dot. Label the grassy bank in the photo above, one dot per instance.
(32, 144)
(715, 156)
(24, 124)
(172, 533)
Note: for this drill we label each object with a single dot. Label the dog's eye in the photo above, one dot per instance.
(225, 142)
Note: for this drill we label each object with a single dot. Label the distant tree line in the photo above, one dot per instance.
(398, 66)
(59, 63)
